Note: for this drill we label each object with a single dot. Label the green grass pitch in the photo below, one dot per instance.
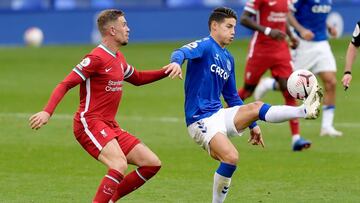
(50, 166)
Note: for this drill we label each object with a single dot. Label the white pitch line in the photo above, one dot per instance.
(163, 119)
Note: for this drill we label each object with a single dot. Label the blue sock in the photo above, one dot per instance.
(263, 110)
(326, 107)
(226, 170)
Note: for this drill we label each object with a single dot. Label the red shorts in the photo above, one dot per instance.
(280, 66)
(94, 135)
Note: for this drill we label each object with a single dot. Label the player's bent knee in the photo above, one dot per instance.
(231, 158)
(154, 162)
(256, 106)
(331, 83)
(118, 163)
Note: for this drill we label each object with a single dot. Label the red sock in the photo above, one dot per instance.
(134, 180)
(108, 186)
(244, 94)
(294, 123)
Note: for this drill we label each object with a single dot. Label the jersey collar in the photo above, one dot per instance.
(107, 50)
(211, 38)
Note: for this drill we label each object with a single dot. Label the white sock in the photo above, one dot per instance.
(220, 188)
(327, 117)
(270, 84)
(295, 138)
(281, 113)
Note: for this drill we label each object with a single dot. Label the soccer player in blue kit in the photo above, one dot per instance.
(210, 74)
(314, 53)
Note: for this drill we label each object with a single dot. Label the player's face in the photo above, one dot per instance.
(121, 31)
(225, 31)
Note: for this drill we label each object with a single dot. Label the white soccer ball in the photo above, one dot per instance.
(300, 83)
(33, 36)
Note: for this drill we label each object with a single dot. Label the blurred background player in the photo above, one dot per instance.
(314, 53)
(268, 50)
(210, 74)
(351, 55)
(101, 75)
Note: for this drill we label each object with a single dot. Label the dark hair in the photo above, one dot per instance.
(107, 16)
(220, 13)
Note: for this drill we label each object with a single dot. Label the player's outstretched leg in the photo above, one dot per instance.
(268, 84)
(309, 110)
(251, 112)
(149, 164)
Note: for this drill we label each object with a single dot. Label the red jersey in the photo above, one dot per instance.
(269, 13)
(103, 72)
(101, 75)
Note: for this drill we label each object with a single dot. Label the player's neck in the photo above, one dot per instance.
(222, 45)
(112, 46)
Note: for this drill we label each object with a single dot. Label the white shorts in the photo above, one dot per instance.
(314, 56)
(204, 130)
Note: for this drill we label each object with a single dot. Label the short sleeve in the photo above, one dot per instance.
(88, 66)
(252, 6)
(356, 35)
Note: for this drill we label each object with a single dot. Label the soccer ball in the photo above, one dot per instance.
(300, 83)
(33, 36)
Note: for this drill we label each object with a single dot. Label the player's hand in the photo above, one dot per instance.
(256, 137)
(277, 34)
(174, 70)
(39, 119)
(346, 81)
(294, 42)
(332, 31)
(307, 34)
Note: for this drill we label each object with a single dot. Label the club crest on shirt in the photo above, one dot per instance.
(85, 62)
(103, 133)
(228, 65)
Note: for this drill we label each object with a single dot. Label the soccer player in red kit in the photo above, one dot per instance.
(269, 50)
(101, 74)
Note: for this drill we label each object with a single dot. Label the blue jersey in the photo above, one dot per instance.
(312, 15)
(210, 73)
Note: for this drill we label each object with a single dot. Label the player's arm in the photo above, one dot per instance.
(350, 56)
(306, 34)
(41, 118)
(189, 51)
(332, 30)
(247, 20)
(138, 78)
(80, 73)
(294, 42)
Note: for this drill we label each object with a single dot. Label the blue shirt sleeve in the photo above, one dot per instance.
(192, 50)
(178, 57)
